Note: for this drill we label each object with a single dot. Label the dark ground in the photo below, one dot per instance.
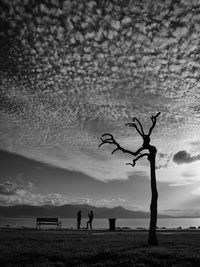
(97, 248)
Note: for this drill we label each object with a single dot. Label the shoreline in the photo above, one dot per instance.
(103, 225)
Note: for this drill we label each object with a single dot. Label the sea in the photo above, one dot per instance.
(169, 223)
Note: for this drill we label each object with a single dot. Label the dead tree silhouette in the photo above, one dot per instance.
(151, 156)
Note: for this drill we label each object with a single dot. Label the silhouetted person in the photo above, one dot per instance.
(79, 219)
(90, 216)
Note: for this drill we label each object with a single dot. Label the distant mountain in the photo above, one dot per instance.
(70, 211)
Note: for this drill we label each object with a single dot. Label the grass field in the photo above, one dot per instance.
(97, 248)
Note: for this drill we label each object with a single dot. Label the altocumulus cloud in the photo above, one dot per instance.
(77, 70)
(183, 156)
(72, 70)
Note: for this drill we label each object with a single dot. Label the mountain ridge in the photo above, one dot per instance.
(70, 211)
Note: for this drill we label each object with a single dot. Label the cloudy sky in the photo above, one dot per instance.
(72, 70)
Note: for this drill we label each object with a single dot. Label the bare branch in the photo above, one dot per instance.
(142, 131)
(137, 158)
(115, 150)
(135, 126)
(109, 139)
(153, 119)
(137, 152)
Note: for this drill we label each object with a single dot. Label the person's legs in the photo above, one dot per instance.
(90, 224)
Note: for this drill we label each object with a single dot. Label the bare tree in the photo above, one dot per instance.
(146, 150)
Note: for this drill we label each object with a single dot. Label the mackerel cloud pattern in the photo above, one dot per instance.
(69, 69)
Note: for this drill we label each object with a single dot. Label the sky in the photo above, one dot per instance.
(73, 70)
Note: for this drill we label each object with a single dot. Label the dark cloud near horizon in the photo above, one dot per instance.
(183, 156)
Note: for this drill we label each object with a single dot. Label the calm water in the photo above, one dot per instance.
(103, 223)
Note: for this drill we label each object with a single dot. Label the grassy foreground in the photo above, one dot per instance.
(97, 248)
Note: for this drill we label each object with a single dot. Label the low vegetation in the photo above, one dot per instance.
(97, 248)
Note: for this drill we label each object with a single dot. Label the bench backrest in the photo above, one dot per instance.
(47, 219)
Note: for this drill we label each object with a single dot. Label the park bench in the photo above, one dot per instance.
(47, 221)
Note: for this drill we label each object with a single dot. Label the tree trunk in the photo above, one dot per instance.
(154, 197)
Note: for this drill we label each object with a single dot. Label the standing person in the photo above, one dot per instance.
(79, 219)
(90, 216)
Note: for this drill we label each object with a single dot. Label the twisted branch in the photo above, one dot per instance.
(136, 159)
(153, 119)
(110, 140)
(141, 128)
(133, 124)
